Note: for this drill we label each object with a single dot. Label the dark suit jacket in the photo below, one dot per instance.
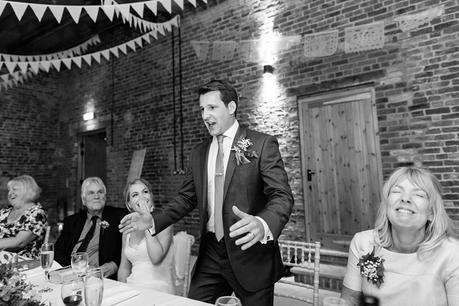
(259, 188)
(110, 237)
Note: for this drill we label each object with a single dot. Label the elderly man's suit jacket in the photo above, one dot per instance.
(259, 188)
(109, 241)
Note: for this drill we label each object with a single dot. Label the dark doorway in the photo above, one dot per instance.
(93, 157)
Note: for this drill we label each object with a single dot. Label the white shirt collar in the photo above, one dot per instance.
(231, 132)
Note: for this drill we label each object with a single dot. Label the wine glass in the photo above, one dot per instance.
(228, 301)
(46, 261)
(79, 263)
(72, 291)
(94, 287)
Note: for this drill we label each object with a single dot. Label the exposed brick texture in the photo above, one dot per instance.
(414, 76)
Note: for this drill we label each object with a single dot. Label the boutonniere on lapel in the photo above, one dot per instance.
(372, 268)
(104, 224)
(242, 151)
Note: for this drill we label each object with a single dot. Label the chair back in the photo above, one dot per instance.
(299, 255)
(182, 261)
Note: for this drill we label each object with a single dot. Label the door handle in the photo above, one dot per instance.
(310, 173)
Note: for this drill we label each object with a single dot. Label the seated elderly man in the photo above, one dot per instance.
(94, 230)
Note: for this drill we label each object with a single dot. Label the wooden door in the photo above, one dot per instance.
(92, 159)
(341, 164)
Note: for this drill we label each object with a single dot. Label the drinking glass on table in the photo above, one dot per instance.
(228, 301)
(72, 291)
(46, 261)
(334, 301)
(93, 287)
(79, 262)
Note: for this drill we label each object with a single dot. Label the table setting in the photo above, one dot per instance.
(46, 283)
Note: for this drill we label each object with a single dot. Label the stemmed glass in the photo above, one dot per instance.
(228, 301)
(79, 262)
(94, 287)
(46, 260)
(72, 291)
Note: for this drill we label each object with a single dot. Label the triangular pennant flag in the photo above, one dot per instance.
(92, 11)
(23, 66)
(152, 5)
(124, 9)
(154, 33)
(167, 4)
(38, 10)
(56, 64)
(5, 77)
(87, 59)
(18, 8)
(45, 65)
(57, 11)
(35, 66)
(14, 58)
(10, 66)
(22, 58)
(146, 37)
(115, 52)
(138, 41)
(67, 62)
(2, 6)
(75, 11)
(161, 29)
(131, 45)
(77, 61)
(167, 26)
(106, 54)
(109, 10)
(123, 48)
(175, 22)
(138, 7)
(179, 3)
(96, 56)
(193, 2)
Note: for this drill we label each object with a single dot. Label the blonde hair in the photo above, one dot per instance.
(31, 188)
(437, 229)
(126, 193)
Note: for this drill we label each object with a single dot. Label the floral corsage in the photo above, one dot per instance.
(372, 268)
(242, 151)
(104, 224)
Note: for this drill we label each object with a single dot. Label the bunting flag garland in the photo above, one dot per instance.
(364, 37)
(223, 50)
(95, 40)
(411, 22)
(201, 49)
(108, 8)
(56, 62)
(320, 44)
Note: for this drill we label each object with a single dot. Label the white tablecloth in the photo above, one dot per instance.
(115, 293)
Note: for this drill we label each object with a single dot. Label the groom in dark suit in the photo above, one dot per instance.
(238, 182)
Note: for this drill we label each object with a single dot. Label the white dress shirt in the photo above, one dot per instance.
(228, 139)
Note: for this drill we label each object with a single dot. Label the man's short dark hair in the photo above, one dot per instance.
(227, 91)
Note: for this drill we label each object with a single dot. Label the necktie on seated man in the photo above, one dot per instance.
(219, 183)
(84, 244)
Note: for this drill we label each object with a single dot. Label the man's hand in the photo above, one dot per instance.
(248, 225)
(140, 220)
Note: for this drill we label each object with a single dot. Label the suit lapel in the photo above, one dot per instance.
(241, 132)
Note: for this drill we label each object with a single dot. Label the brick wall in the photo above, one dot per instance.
(414, 76)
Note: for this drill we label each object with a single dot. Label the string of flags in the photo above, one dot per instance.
(356, 39)
(46, 63)
(93, 11)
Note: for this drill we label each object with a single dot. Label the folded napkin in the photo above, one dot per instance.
(116, 292)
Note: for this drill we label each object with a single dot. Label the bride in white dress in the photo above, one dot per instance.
(146, 261)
